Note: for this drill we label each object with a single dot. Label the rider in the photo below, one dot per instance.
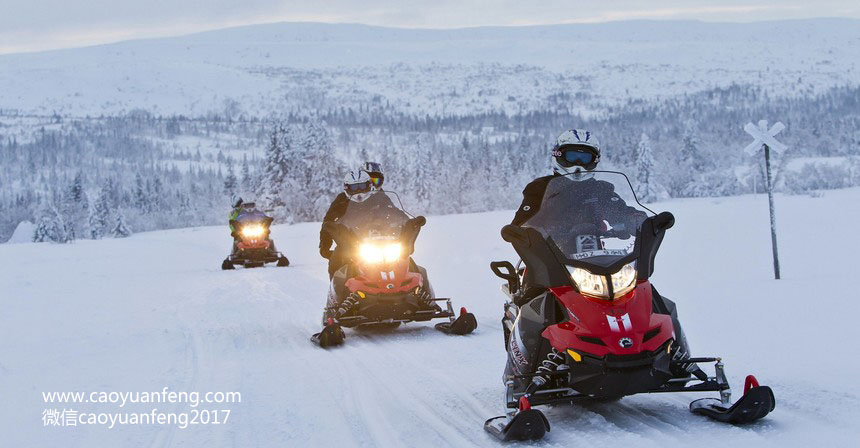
(575, 153)
(357, 187)
(237, 208)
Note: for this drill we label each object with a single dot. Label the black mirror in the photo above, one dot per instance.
(664, 221)
(506, 271)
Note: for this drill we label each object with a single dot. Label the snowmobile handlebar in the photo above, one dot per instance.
(345, 237)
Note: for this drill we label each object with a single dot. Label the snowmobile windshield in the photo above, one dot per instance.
(381, 214)
(251, 216)
(591, 217)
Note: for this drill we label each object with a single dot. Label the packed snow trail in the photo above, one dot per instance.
(155, 311)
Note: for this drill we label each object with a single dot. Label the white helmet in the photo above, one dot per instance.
(374, 171)
(357, 186)
(575, 151)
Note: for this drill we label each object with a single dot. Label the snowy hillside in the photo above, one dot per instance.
(280, 67)
(155, 310)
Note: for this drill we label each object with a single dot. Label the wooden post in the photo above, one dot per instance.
(772, 214)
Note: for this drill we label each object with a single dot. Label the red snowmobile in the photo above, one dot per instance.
(583, 323)
(380, 285)
(252, 245)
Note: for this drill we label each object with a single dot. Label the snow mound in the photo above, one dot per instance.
(23, 233)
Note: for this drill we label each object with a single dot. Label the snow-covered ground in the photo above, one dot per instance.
(155, 310)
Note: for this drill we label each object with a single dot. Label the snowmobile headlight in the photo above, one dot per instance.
(624, 280)
(589, 284)
(253, 231)
(596, 286)
(377, 253)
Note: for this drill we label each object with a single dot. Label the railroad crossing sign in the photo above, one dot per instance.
(764, 138)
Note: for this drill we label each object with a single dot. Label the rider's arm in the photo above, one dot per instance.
(335, 211)
(532, 198)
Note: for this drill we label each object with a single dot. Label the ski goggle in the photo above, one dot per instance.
(374, 171)
(361, 187)
(574, 157)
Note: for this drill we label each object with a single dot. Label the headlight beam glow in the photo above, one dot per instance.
(373, 253)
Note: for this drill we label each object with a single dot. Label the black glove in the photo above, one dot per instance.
(325, 252)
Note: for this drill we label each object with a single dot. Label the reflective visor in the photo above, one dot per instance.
(575, 157)
(361, 187)
(376, 179)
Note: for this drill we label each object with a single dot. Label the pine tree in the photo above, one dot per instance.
(100, 213)
(230, 182)
(74, 207)
(274, 176)
(247, 180)
(647, 188)
(120, 229)
(51, 226)
(316, 171)
(141, 195)
(691, 152)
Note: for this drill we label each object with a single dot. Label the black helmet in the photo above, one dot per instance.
(374, 172)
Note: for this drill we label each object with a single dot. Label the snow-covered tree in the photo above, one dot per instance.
(647, 187)
(99, 219)
(141, 194)
(120, 228)
(51, 226)
(74, 207)
(275, 171)
(231, 184)
(247, 180)
(318, 171)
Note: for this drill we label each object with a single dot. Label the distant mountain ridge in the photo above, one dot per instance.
(271, 67)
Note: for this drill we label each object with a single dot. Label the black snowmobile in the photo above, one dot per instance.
(583, 323)
(380, 285)
(252, 245)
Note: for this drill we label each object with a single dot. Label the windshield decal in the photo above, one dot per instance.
(600, 253)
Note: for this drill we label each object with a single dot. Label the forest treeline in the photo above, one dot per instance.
(90, 177)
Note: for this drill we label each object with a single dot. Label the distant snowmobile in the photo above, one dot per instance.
(380, 285)
(252, 246)
(583, 323)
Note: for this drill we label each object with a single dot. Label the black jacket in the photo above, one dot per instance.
(532, 198)
(335, 211)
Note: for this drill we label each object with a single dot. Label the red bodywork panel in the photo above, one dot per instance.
(629, 316)
(385, 278)
(253, 244)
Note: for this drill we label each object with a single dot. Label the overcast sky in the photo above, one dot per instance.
(31, 25)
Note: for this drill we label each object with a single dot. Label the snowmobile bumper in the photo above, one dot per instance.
(613, 378)
(378, 309)
(256, 258)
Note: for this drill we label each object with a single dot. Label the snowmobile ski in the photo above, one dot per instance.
(464, 324)
(331, 335)
(757, 402)
(283, 262)
(526, 424)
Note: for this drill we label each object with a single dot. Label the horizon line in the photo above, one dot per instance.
(129, 37)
